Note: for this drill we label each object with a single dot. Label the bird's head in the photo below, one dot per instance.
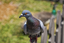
(26, 14)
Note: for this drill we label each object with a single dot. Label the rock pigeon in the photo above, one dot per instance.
(32, 26)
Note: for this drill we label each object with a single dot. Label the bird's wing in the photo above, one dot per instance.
(25, 28)
(42, 25)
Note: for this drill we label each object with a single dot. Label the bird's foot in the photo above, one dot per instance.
(32, 39)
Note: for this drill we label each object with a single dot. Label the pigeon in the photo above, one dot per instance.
(33, 27)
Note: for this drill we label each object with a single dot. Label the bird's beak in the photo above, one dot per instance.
(21, 16)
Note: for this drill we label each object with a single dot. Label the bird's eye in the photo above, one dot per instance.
(25, 13)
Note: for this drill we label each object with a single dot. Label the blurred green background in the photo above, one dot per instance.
(10, 24)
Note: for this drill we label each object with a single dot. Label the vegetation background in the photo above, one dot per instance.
(11, 26)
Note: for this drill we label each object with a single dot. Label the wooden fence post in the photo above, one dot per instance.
(51, 31)
(62, 28)
(58, 28)
(63, 32)
(44, 36)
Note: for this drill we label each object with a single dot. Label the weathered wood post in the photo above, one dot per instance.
(44, 36)
(63, 32)
(51, 31)
(62, 24)
(58, 27)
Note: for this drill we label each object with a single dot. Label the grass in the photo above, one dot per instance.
(10, 29)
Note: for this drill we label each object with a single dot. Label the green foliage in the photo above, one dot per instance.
(38, 6)
(8, 1)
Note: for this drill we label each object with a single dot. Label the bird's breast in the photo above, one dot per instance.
(33, 25)
(34, 31)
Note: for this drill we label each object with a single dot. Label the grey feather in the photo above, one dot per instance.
(42, 26)
(25, 28)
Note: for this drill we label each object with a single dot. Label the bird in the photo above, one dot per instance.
(34, 27)
(54, 12)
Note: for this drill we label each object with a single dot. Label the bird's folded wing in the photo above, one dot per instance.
(25, 28)
(42, 25)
